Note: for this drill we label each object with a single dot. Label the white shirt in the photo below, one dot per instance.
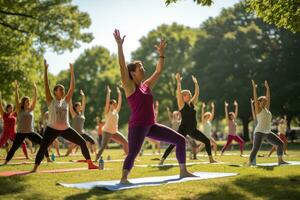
(111, 122)
(58, 115)
(263, 121)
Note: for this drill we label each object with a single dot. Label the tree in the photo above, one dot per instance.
(282, 13)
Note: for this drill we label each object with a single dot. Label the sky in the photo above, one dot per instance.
(134, 18)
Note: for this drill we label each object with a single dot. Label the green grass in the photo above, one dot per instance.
(251, 183)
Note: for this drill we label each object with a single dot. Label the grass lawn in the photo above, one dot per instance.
(252, 182)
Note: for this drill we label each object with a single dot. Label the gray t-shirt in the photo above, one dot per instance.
(25, 122)
(78, 123)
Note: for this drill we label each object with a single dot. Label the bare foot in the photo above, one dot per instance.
(282, 162)
(186, 174)
(213, 161)
(125, 182)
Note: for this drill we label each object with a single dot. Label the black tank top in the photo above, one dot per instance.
(188, 115)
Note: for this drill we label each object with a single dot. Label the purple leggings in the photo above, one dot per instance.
(236, 138)
(137, 134)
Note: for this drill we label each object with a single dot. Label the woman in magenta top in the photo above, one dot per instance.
(9, 126)
(142, 119)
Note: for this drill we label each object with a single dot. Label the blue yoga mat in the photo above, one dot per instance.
(148, 181)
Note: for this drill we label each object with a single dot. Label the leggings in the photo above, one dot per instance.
(137, 134)
(195, 134)
(88, 138)
(19, 139)
(271, 138)
(236, 138)
(68, 134)
(117, 137)
(6, 136)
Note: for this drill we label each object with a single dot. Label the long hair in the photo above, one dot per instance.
(132, 66)
(23, 100)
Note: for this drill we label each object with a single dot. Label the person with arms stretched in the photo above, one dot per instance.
(263, 129)
(58, 122)
(188, 125)
(142, 119)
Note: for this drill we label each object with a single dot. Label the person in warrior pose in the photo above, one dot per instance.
(9, 125)
(58, 122)
(263, 129)
(110, 128)
(142, 119)
(230, 118)
(25, 124)
(188, 125)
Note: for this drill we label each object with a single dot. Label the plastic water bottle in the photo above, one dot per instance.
(101, 163)
(52, 157)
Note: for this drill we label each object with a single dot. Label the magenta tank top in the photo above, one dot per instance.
(142, 107)
(231, 127)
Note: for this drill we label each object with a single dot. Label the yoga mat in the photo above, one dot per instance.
(16, 173)
(276, 164)
(16, 158)
(148, 181)
(29, 163)
(176, 164)
(105, 161)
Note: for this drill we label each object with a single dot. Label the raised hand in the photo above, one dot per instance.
(71, 67)
(235, 103)
(81, 92)
(194, 79)
(118, 90)
(16, 85)
(156, 103)
(253, 84)
(108, 89)
(266, 84)
(212, 104)
(168, 109)
(118, 38)
(160, 48)
(203, 105)
(178, 77)
(251, 100)
(226, 104)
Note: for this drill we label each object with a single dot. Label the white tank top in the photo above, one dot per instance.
(111, 122)
(207, 129)
(58, 114)
(264, 119)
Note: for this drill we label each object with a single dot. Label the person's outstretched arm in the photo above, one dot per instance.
(160, 64)
(71, 108)
(169, 115)
(202, 112)
(256, 107)
(1, 106)
(179, 94)
(83, 100)
(236, 106)
(268, 95)
(46, 82)
(17, 98)
(127, 83)
(119, 100)
(107, 100)
(252, 109)
(196, 95)
(212, 111)
(72, 84)
(226, 110)
(32, 106)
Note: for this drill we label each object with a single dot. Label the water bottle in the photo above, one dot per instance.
(101, 163)
(52, 157)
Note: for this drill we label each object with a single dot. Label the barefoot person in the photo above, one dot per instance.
(25, 124)
(232, 136)
(142, 119)
(188, 125)
(110, 128)
(58, 122)
(263, 129)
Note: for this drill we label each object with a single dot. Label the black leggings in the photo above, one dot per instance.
(88, 138)
(69, 134)
(195, 134)
(20, 137)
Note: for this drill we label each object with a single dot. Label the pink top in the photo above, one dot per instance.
(142, 107)
(232, 127)
(9, 123)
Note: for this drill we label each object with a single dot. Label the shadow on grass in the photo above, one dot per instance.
(11, 185)
(104, 194)
(259, 187)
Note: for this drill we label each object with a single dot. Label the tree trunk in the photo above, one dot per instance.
(245, 121)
